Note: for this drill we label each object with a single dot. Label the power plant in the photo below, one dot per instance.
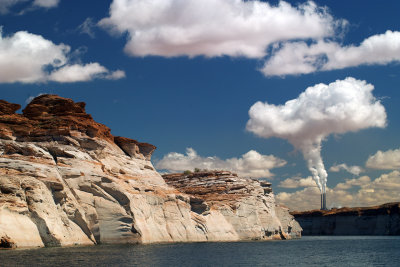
(323, 201)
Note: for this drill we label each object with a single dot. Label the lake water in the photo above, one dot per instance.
(308, 251)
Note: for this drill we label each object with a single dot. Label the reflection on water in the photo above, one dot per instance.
(308, 251)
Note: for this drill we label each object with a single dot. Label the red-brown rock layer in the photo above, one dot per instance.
(51, 115)
(8, 108)
(245, 203)
(216, 185)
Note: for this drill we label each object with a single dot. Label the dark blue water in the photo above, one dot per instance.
(308, 251)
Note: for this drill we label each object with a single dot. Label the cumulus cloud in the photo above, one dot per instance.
(214, 27)
(252, 164)
(24, 55)
(384, 160)
(30, 58)
(306, 199)
(389, 182)
(83, 73)
(383, 189)
(297, 182)
(73, 73)
(356, 170)
(115, 75)
(339, 107)
(362, 181)
(301, 58)
(46, 3)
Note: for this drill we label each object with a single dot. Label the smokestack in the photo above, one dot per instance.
(322, 201)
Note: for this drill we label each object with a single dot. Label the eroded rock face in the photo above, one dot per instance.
(377, 220)
(246, 204)
(7, 108)
(65, 180)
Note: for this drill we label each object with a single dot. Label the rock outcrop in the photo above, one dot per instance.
(377, 220)
(65, 180)
(247, 205)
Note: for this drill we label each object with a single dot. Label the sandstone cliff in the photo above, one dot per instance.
(65, 180)
(247, 205)
(378, 220)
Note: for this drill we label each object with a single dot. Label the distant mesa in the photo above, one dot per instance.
(376, 220)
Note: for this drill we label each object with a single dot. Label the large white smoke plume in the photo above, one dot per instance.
(342, 106)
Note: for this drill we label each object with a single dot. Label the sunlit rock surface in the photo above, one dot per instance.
(247, 205)
(377, 220)
(66, 180)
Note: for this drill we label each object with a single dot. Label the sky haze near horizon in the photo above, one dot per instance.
(183, 75)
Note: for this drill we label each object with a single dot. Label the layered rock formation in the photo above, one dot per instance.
(378, 220)
(247, 205)
(65, 180)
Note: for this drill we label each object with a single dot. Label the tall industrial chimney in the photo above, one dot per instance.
(323, 201)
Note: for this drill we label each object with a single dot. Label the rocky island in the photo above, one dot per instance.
(377, 220)
(66, 180)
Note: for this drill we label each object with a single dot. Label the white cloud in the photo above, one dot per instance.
(305, 199)
(30, 58)
(339, 107)
(356, 170)
(252, 164)
(115, 75)
(73, 73)
(83, 73)
(389, 181)
(46, 3)
(384, 160)
(362, 181)
(300, 58)
(87, 27)
(297, 182)
(5, 5)
(384, 189)
(293, 58)
(24, 55)
(342, 106)
(214, 27)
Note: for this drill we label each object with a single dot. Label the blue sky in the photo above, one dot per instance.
(154, 89)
